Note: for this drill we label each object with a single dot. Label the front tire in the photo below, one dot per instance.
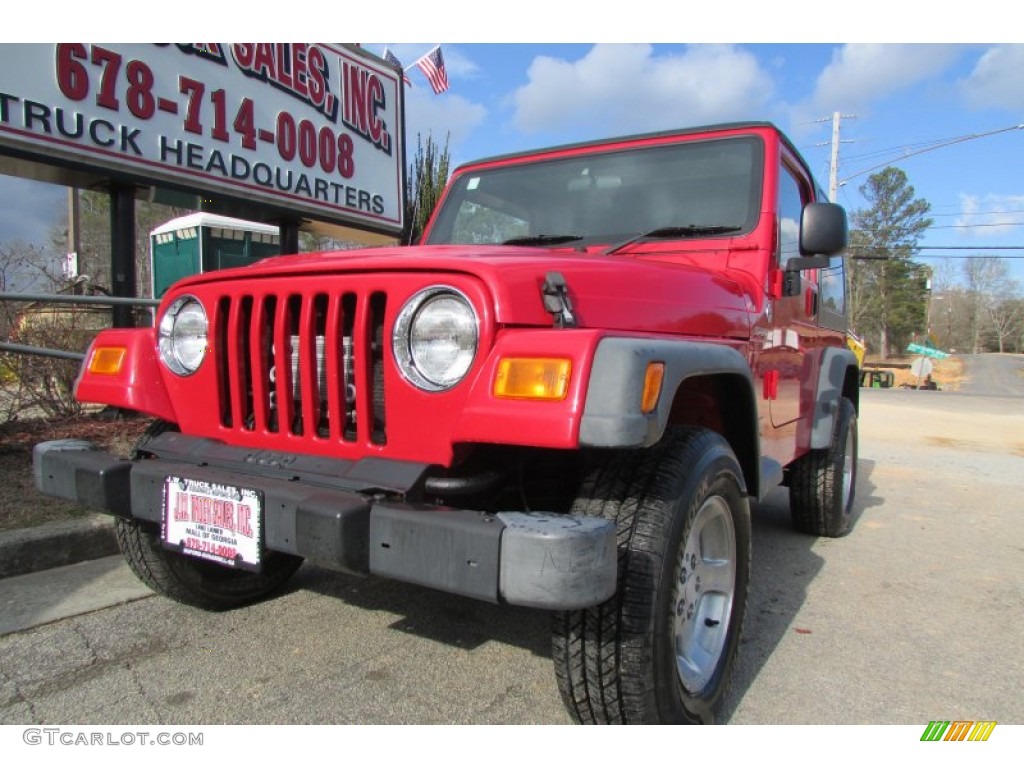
(196, 582)
(189, 580)
(661, 650)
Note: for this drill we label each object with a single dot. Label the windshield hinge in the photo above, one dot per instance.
(556, 300)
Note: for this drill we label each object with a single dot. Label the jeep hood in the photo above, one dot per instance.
(617, 292)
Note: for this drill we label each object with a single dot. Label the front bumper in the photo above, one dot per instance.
(342, 515)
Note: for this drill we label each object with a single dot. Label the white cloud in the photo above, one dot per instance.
(990, 215)
(625, 88)
(861, 73)
(996, 79)
(445, 115)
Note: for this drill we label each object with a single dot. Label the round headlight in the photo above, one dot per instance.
(182, 335)
(435, 338)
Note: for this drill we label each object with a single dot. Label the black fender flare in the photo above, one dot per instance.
(612, 417)
(836, 362)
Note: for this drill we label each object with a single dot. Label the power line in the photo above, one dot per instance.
(958, 226)
(939, 145)
(940, 247)
(976, 213)
(939, 256)
(904, 148)
(882, 252)
(978, 226)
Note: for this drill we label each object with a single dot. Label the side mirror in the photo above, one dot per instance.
(823, 233)
(823, 230)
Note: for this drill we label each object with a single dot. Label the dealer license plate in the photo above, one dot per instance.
(211, 521)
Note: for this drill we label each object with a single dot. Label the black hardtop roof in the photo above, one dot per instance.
(711, 128)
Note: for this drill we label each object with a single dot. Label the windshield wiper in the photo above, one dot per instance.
(666, 233)
(542, 240)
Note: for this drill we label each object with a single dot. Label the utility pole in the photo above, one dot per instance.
(833, 174)
(833, 169)
(833, 188)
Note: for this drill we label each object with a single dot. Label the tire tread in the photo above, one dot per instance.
(603, 655)
(187, 580)
(815, 483)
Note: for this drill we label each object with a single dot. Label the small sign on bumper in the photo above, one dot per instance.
(211, 521)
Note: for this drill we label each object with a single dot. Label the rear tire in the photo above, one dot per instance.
(189, 580)
(661, 650)
(822, 482)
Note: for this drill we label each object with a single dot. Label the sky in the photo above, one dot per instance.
(899, 105)
(944, 104)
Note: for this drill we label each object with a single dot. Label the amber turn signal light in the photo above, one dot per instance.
(107, 360)
(533, 378)
(653, 379)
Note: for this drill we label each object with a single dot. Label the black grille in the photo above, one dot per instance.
(303, 364)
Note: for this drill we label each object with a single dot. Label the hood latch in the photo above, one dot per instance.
(555, 293)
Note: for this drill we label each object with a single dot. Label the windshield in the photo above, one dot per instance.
(604, 197)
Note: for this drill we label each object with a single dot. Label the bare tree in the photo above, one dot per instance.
(44, 385)
(94, 236)
(33, 384)
(1007, 318)
(986, 278)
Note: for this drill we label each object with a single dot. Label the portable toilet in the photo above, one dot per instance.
(202, 242)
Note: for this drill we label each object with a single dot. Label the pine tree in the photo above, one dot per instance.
(428, 175)
(888, 289)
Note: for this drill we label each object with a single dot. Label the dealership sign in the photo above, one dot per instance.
(311, 128)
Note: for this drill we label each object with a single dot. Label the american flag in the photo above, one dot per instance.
(391, 59)
(432, 65)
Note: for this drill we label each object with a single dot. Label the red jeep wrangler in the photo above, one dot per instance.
(564, 398)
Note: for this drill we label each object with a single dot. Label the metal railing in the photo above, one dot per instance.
(44, 298)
